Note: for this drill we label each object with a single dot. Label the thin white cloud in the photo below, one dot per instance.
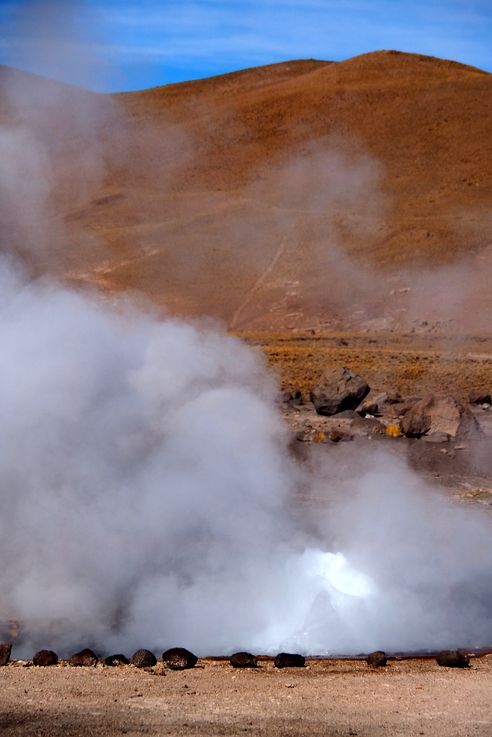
(210, 36)
(323, 27)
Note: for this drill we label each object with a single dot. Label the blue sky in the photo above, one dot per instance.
(114, 45)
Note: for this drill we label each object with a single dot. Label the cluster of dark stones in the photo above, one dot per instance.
(282, 660)
(341, 397)
(444, 658)
(179, 658)
(176, 658)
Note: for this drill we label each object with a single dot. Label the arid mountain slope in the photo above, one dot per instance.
(293, 195)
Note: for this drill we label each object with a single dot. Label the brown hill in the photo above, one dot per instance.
(300, 194)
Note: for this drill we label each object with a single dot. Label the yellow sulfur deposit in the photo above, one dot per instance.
(393, 430)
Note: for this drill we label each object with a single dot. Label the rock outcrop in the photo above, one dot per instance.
(439, 415)
(338, 389)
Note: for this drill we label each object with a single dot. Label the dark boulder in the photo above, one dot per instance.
(377, 659)
(179, 658)
(5, 651)
(118, 659)
(479, 396)
(417, 419)
(338, 389)
(441, 415)
(289, 660)
(45, 657)
(453, 659)
(243, 660)
(143, 659)
(85, 657)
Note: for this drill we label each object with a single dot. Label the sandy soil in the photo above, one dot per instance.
(414, 697)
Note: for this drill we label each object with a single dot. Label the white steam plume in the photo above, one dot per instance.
(148, 499)
(147, 494)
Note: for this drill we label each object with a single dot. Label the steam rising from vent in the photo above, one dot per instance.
(148, 498)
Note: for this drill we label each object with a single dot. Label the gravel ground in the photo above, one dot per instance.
(337, 697)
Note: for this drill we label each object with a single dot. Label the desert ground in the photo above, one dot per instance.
(338, 697)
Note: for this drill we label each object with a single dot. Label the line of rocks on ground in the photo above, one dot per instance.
(340, 407)
(179, 658)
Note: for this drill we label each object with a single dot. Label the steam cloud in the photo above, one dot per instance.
(148, 497)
